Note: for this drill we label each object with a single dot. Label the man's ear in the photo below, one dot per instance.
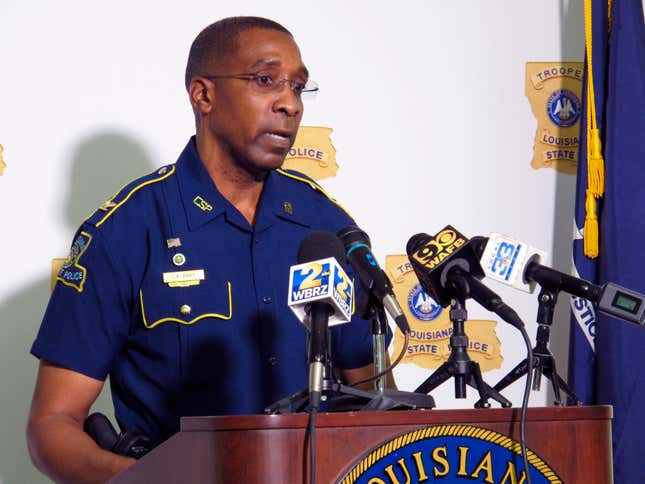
(202, 95)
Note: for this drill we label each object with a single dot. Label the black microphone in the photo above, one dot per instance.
(516, 264)
(434, 258)
(315, 246)
(373, 279)
(447, 266)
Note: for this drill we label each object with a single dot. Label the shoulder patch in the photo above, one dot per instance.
(301, 177)
(72, 273)
(106, 210)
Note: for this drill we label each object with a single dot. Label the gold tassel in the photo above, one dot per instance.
(595, 161)
(591, 227)
(596, 164)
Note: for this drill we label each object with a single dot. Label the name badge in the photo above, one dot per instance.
(183, 278)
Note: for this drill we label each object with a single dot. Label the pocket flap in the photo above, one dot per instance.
(185, 305)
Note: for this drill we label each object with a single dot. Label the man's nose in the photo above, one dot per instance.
(288, 101)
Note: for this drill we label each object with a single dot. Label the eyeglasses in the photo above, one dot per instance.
(265, 82)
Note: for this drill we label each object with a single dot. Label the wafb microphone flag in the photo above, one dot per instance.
(607, 356)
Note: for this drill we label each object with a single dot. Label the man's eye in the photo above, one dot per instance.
(298, 87)
(264, 80)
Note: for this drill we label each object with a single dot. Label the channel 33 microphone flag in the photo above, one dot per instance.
(607, 356)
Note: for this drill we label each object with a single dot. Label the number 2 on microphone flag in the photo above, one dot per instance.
(607, 356)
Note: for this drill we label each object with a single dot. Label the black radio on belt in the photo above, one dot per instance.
(130, 444)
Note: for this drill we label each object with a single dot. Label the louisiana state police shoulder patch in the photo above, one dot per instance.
(72, 273)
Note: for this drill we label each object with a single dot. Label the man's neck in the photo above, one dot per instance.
(240, 187)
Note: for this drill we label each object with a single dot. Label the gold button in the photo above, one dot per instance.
(185, 309)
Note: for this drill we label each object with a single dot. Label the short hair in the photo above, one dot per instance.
(219, 40)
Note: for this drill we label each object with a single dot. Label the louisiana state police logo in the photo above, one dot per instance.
(421, 305)
(72, 273)
(563, 107)
(449, 453)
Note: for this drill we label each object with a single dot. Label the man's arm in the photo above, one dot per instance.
(57, 444)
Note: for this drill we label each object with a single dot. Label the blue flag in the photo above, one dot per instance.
(607, 356)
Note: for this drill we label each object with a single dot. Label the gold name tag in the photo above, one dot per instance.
(183, 278)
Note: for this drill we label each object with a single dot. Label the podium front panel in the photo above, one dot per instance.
(575, 442)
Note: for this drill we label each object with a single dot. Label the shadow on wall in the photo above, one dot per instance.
(100, 165)
(572, 45)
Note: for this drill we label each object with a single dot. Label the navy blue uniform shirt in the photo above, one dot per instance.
(221, 341)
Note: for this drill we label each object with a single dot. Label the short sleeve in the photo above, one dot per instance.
(87, 318)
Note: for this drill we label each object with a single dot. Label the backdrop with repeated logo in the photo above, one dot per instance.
(430, 123)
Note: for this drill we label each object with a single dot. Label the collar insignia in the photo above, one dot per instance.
(109, 205)
(202, 204)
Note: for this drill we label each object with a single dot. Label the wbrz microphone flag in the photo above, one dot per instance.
(325, 281)
(607, 356)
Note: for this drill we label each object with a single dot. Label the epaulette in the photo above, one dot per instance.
(301, 177)
(124, 194)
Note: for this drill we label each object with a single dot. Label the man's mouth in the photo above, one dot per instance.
(279, 138)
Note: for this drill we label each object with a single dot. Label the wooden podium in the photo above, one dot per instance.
(575, 442)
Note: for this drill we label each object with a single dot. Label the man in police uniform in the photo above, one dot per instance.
(176, 287)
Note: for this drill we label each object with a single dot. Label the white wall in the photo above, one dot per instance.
(426, 99)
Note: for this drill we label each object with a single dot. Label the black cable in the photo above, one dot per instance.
(491, 301)
(389, 368)
(525, 403)
(312, 445)
(511, 317)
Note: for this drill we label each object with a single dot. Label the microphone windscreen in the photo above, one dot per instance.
(352, 235)
(320, 245)
(478, 243)
(416, 242)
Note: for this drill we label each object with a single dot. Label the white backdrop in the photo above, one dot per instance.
(426, 99)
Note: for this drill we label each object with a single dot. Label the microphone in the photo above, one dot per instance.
(373, 279)
(319, 278)
(434, 258)
(516, 264)
(320, 295)
(506, 260)
(447, 266)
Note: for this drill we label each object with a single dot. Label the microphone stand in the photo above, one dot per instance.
(379, 330)
(369, 307)
(544, 362)
(344, 397)
(459, 365)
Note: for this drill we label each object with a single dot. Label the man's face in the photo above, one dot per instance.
(256, 128)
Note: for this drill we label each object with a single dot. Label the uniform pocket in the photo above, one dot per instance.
(187, 305)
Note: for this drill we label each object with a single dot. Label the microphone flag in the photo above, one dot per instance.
(325, 281)
(505, 260)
